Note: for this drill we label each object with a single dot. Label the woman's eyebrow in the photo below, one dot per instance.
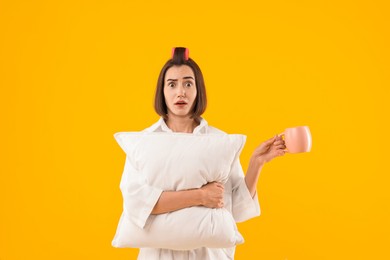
(188, 77)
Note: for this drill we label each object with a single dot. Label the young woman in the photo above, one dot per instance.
(180, 100)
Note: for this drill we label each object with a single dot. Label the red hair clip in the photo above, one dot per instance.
(186, 53)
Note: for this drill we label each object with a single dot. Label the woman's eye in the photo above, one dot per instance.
(171, 85)
(188, 84)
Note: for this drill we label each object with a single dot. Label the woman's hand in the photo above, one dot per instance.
(212, 195)
(269, 149)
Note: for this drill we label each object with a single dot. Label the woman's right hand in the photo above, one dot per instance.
(212, 195)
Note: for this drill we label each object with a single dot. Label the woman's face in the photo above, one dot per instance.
(180, 90)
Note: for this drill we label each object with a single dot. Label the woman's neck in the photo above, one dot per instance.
(181, 124)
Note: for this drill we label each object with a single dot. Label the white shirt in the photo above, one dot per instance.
(141, 198)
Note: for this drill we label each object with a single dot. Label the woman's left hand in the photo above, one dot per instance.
(269, 149)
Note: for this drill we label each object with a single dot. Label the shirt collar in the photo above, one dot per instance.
(161, 126)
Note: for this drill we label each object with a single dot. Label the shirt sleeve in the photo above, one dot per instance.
(244, 207)
(139, 198)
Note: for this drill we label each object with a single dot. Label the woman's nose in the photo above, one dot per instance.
(181, 91)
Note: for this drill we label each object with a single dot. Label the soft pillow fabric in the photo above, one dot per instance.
(180, 161)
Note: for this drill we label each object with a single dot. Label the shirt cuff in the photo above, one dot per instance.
(140, 210)
(244, 206)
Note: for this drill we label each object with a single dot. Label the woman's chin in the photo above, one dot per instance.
(179, 114)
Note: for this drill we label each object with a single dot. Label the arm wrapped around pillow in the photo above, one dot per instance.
(173, 162)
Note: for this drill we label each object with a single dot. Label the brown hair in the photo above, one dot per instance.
(179, 58)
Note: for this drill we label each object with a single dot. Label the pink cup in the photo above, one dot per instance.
(297, 139)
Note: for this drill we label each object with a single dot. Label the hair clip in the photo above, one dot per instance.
(186, 53)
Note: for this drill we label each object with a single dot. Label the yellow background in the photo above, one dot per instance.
(72, 73)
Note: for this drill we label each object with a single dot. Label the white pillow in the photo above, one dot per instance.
(180, 161)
